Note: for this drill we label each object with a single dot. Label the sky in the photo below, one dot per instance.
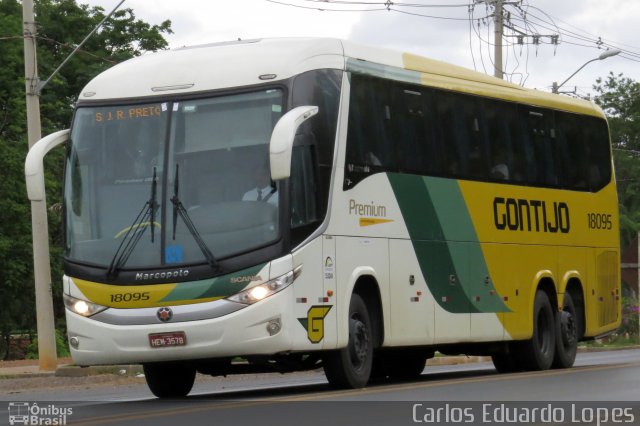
(457, 39)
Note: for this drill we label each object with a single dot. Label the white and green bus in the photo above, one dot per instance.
(302, 203)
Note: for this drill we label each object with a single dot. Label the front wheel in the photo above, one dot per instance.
(169, 380)
(350, 367)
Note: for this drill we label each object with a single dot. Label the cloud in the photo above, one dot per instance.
(202, 21)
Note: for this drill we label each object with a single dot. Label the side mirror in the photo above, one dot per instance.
(34, 166)
(281, 144)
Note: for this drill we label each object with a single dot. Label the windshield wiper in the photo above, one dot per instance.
(144, 219)
(179, 210)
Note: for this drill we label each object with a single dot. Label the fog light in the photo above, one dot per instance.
(274, 326)
(74, 342)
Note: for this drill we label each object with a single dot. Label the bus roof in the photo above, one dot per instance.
(249, 62)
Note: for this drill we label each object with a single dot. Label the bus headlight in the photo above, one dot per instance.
(82, 307)
(262, 291)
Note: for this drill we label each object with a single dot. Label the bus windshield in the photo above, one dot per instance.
(210, 157)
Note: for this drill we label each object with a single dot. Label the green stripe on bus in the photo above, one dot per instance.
(223, 286)
(446, 244)
(470, 264)
(427, 237)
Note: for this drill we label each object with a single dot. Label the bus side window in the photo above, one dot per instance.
(597, 141)
(445, 119)
(498, 122)
(413, 131)
(572, 153)
(304, 209)
(370, 144)
(539, 128)
(461, 137)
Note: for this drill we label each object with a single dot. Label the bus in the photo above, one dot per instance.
(314, 203)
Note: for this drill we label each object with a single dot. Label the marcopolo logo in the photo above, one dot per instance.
(26, 413)
(179, 273)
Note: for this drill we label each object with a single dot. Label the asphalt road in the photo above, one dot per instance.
(603, 387)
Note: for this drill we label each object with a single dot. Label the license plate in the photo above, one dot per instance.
(162, 340)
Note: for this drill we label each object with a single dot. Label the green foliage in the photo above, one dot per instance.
(629, 324)
(61, 25)
(62, 348)
(619, 97)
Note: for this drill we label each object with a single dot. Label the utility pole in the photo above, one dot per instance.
(47, 356)
(498, 33)
(497, 42)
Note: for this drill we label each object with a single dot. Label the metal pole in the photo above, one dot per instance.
(498, 23)
(44, 83)
(40, 229)
(558, 86)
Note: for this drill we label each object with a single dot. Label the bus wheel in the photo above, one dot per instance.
(537, 353)
(567, 335)
(350, 367)
(169, 380)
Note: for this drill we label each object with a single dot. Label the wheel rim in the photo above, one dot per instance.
(359, 342)
(568, 329)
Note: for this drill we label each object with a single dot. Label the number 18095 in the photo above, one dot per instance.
(599, 221)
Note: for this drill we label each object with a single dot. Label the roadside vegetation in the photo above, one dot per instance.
(61, 25)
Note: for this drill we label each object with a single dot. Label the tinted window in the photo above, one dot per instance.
(312, 158)
(397, 127)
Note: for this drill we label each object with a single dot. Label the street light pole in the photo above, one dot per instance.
(604, 55)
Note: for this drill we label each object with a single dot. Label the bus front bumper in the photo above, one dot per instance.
(248, 331)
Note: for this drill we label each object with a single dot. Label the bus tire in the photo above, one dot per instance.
(538, 352)
(169, 380)
(566, 335)
(350, 367)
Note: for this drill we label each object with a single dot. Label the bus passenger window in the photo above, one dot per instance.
(413, 131)
(370, 142)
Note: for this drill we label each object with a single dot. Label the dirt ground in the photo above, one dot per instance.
(25, 362)
(17, 385)
(20, 385)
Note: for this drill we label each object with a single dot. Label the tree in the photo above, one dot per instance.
(61, 24)
(619, 97)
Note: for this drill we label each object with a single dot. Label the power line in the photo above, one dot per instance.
(525, 27)
(387, 6)
(389, 3)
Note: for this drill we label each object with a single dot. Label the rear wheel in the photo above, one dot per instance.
(538, 353)
(350, 367)
(169, 380)
(566, 335)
